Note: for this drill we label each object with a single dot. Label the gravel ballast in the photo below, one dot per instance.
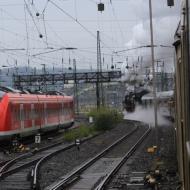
(64, 162)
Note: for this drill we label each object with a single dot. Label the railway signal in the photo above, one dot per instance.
(15, 144)
(77, 143)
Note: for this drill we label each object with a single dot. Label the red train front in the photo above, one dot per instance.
(26, 114)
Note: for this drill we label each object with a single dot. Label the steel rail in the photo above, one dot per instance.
(35, 171)
(9, 163)
(74, 175)
(108, 177)
(23, 156)
(4, 172)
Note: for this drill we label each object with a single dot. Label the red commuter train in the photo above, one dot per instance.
(26, 114)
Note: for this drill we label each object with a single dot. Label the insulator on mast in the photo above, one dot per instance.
(100, 7)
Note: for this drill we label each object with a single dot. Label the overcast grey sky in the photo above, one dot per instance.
(74, 23)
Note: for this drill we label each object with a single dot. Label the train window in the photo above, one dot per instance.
(35, 113)
(16, 114)
(65, 111)
(27, 110)
(32, 113)
(21, 112)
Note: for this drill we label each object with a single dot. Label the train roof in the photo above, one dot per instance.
(33, 98)
(159, 95)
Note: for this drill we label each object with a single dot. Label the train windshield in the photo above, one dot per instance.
(2, 94)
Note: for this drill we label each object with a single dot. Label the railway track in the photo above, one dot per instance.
(94, 173)
(143, 165)
(28, 147)
(15, 174)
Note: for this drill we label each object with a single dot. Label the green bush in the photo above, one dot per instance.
(105, 118)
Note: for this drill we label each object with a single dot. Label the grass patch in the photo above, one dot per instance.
(82, 131)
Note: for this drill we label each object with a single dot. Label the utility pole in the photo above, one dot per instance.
(153, 72)
(99, 70)
(75, 86)
(62, 61)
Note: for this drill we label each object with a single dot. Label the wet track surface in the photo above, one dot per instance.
(65, 162)
(130, 176)
(91, 177)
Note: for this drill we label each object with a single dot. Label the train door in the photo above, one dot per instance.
(62, 112)
(15, 109)
(37, 109)
(33, 115)
(42, 115)
(58, 108)
(21, 116)
(27, 115)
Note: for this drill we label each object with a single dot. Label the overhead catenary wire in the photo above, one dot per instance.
(35, 24)
(114, 14)
(76, 14)
(27, 33)
(25, 21)
(45, 7)
(112, 32)
(45, 30)
(31, 15)
(34, 7)
(34, 39)
(36, 45)
(23, 49)
(55, 33)
(75, 20)
(22, 56)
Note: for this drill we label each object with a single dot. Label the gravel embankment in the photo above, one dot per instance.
(142, 161)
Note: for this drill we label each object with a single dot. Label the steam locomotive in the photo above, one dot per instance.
(26, 114)
(129, 102)
(133, 96)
